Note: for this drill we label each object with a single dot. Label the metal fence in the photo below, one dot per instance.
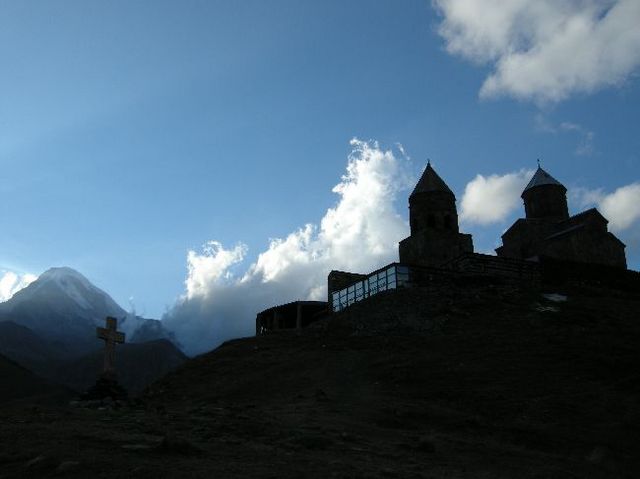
(470, 265)
(391, 277)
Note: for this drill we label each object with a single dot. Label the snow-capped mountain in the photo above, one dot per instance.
(64, 307)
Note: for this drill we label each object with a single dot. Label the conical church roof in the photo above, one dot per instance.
(541, 178)
(430, 181)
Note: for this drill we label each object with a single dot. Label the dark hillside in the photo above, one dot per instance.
(464, 381)
(497, 381)
(24, 346)
(19, 384)
(138, 364)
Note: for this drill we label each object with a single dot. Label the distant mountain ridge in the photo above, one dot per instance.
(64, 308)
(137, 365)
(49, 328)
(25, 347)
(19, 383)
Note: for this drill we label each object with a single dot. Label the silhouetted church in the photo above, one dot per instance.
(549, 231)
(548, 243)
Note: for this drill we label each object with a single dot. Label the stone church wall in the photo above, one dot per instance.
(433, 248)
(587, 246)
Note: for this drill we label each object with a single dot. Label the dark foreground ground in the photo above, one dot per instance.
(484, 382)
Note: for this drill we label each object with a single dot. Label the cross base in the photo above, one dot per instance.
(106, 386)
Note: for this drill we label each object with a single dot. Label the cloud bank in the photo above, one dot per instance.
(544, 50)
(360, 233)
(492, 199)
(621, 208)
(11, 283)
(495, 199)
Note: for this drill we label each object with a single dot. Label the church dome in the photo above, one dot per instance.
(542, 178)
(430, 182)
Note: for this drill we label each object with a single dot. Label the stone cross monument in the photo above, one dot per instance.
(111, 336)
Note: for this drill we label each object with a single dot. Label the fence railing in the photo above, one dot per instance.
(390, 277)
(396, 276)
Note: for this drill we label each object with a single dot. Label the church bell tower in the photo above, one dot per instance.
(433, 218)
(545, 198)
(432, 205)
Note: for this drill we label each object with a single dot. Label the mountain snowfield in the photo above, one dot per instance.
(73, 284)
(64, 307)
(67, 284)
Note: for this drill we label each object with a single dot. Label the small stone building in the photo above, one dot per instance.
(549, 231)
(435, 237)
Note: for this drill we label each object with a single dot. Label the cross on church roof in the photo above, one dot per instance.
(111, 336)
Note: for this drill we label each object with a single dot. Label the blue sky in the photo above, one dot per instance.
(134, 132)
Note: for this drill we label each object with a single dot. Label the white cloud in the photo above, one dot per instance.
(544, 50)
(210, 266)
(491, 199)
(585, 198)
(11, 283)
(360, 233)
(621, 208)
